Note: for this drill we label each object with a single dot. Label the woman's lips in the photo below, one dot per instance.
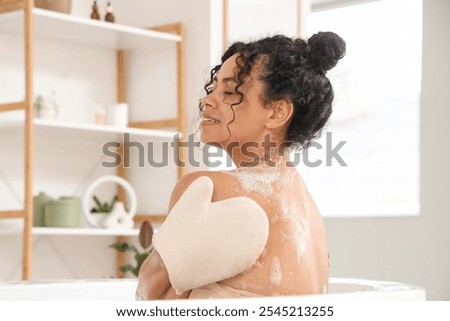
(208, 120)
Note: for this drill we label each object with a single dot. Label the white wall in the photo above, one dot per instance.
(411, 250)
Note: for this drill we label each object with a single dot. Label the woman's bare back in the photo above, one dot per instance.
(295, 259)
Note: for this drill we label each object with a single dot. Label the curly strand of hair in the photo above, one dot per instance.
(240, 82)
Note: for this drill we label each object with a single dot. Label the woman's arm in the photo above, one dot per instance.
(153, 280)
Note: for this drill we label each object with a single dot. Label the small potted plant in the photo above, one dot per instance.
(102, 209)
(46, 107)
(145, 240)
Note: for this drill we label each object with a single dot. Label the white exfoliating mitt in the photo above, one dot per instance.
(202, 242)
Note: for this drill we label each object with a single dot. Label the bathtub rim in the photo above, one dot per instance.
(369, 289)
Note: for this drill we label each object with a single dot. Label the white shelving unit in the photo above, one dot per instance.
(20, 18)
(88, 131)
(73, 231)
(63, 28)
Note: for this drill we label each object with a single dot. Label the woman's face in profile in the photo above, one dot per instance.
(228, 116)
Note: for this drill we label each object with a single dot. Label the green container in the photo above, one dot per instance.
(65, 212)
(39, 203)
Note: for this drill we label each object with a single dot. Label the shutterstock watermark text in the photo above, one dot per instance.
(163, 154)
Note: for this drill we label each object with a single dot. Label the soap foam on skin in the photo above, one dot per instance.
(299, 238)
(285, 212)
(302, 236)
(268, 182)
(274, 219)
(257, 180)
(276, 275)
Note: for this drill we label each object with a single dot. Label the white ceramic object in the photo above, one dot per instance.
(119, 218)
(118, 115)
(87, 196)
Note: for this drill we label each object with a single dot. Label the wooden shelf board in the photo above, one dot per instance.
(74, 231)
(84, 131)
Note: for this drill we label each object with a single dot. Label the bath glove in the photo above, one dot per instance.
(203, 242)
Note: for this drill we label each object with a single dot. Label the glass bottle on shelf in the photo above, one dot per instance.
(109, 16)
(94, 14)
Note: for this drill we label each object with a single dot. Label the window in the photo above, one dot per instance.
(253, 19)
(376, 111)
(377, 96)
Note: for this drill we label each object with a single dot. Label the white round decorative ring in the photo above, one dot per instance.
(87, 196)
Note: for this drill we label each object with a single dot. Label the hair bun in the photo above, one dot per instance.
(326, 48)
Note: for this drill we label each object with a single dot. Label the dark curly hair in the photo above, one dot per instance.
(291, 69)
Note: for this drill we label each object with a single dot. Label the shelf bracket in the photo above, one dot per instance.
(13, 106)
(12, 214)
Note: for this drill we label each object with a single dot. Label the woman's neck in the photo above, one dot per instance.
(259, 155)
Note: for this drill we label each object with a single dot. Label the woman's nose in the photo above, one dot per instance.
(209, 101)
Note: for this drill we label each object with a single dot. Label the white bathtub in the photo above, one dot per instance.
(124, 289)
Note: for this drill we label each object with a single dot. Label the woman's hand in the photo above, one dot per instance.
(153, 280)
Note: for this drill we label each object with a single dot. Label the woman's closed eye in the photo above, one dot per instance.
(229, 89)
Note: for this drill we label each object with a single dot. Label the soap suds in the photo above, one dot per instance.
(258, 265)
(286, 212)
(276, 275)
(299, 238)
(274, 219)
(256, 180)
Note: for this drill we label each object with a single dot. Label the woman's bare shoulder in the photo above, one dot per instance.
(225, 185)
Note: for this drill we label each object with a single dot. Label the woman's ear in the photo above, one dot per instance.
(282, 111)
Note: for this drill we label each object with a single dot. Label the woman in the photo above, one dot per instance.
(265, 98)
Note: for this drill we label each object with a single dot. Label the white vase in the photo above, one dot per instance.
(99, 218)
(118, 115)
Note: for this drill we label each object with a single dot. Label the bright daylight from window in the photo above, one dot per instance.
(376, 111)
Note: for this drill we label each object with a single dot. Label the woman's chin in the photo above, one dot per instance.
(211, 142)
(210, 139)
